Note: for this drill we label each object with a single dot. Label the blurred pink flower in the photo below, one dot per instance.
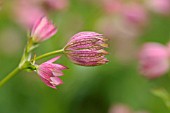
(50, 72)
(112, 6)
(27, 13)
(87, 49)
(56, 4)
(159, 6)
(135, 13)
(122, 34)
(42, 30)
(153, 60)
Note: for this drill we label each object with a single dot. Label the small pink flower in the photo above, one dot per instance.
(50, 72)
(153, 60)
(42, 30)
(87, 49)
(159, 6)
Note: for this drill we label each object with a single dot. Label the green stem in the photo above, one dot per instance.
(24, 59)
(9, 76)
(49, 54)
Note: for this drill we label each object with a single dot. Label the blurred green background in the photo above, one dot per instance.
(85, 89)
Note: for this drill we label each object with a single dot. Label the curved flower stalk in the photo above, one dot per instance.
(42, 30)
(87, 49)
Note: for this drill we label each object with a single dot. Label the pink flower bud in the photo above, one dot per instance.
(87, 49)
(42, 30)
(153, 60)
(50, 72)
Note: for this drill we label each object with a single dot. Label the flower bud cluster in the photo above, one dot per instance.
(84, 48)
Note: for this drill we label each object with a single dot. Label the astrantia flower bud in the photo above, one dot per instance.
(87, 49)
(154, 60)
(50, 72)
(42, 30)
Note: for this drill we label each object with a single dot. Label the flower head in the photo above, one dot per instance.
(153, 60)
(50, 72)
(87, 49)
(42, 30)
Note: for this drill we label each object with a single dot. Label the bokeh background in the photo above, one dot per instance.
(102, 89)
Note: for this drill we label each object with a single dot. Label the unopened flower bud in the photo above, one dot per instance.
(42, 30)
(87, 49)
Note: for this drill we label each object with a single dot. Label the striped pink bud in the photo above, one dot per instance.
(42, 30)
(87, 49)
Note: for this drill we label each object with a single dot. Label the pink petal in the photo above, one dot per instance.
(43, 22)
(57, 73)
(54, 59)
(61, 67)
(47, 31)
(56, 81)
(48, 83)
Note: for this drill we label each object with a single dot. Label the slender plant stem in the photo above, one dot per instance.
(9, 76)
(25, 57)
(49, 54)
